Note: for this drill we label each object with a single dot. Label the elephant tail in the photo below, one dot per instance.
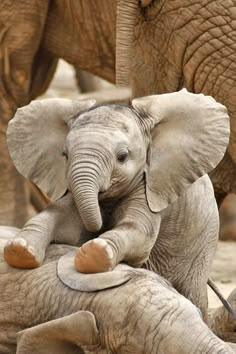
(217, 291)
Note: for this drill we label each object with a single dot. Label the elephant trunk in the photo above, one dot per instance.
(127, 14)
(85, 189)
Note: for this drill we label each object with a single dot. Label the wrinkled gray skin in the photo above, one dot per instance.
(148, 315)
(161, 219)
(164, 45)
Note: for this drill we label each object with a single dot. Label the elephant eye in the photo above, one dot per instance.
(122, 156)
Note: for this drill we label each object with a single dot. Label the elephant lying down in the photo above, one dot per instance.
(143, 315)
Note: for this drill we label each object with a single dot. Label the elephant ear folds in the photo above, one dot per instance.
(189, 135)
(91, 282)
(60, 336)
(36, 137)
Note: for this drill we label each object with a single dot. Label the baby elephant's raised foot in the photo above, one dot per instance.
(18, 253)
(94, 256)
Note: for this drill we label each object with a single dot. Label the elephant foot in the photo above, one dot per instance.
(18, 253)
(95, 256)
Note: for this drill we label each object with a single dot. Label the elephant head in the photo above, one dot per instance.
(101, 152)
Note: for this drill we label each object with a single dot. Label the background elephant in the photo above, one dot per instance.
(152, 316)
(172, 43)
(179, 44)
(101, 156)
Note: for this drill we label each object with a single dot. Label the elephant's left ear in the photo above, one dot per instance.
(189, 135)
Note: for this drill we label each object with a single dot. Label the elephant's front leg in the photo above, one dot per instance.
(130, 240)
(59, 222)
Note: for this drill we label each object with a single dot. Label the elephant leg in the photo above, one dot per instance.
(220, 198)
(187, 242)
(44, 68)
(129, 241)
(59, 222)
(228, 218)
(214, 73)
(223, 177)
(21, 26)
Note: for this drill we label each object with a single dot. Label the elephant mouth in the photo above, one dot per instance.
(111, 192)
(116, 190)
(105, 195)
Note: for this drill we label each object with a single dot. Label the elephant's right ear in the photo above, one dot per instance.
(36, 137)
(60, 336)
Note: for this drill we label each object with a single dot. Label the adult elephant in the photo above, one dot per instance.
(43, 315)
(165, 45)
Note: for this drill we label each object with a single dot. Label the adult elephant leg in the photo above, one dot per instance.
(217, 77)
(223, 176)
(224, 179)
(13, 187)
(209, 67)
(43, 70)
(228, 218)
(21, 26)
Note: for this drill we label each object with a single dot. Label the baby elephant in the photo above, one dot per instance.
(111, 172)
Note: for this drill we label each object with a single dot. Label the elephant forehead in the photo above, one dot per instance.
(92, 135)
(110, 116)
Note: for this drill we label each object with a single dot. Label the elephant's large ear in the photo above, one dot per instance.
(91, 282)
(189, 136)
(60, 336)
(36, 137)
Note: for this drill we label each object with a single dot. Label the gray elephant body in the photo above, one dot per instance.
(158, 203)
(144, 315)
